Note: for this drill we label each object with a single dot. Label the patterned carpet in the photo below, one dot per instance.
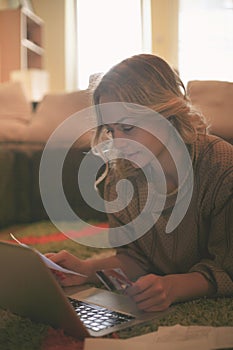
(18, 333)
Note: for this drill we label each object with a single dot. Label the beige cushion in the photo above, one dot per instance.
(13, 102)
(12, 130)
(215, 100)
(53, 110)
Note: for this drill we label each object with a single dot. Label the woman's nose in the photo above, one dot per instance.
(119, 140)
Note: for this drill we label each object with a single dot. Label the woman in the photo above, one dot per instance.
(195, 259)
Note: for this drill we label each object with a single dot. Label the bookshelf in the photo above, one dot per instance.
(21, 41)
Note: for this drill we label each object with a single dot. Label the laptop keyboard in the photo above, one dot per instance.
(97, 318)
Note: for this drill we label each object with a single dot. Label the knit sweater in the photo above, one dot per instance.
(203, 240)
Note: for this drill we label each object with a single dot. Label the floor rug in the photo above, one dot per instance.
(18, 333)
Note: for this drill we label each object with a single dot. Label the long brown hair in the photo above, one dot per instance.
(149, 81)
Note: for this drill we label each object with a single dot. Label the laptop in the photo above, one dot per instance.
(29, 289)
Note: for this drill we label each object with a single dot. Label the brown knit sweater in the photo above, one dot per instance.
(203, 241)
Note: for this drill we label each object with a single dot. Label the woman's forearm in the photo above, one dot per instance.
(188, 286)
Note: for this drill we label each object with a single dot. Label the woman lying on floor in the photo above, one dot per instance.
(193, 257)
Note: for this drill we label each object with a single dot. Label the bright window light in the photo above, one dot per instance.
(206, 40)
(108, 31)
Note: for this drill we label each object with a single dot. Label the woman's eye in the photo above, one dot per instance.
(127, 128)
(109, 131)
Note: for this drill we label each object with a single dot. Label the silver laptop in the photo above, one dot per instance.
(29, 289)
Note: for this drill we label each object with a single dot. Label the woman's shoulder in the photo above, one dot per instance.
(213, 169)
(211, 151)
(209, 139)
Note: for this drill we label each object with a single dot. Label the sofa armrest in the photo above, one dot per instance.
(215, 100)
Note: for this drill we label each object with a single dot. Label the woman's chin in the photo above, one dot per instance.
(138, 161)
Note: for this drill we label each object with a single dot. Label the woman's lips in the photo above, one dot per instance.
(131, 155)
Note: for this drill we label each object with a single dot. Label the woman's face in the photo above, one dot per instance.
(133, 142)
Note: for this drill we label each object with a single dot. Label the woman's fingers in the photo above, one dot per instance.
(70, 262)
(150, 293)
(49, 255)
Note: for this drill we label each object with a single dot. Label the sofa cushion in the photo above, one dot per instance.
(13, 102)
(53, 110)
(215, 100)
(12, 130)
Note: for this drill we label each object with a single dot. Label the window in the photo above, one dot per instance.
(206, 40)
(107, 32)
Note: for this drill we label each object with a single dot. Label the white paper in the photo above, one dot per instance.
(221, 338)
(52, 265)
(128, 344)
(180, 333)
(113, 344)
(170, 338)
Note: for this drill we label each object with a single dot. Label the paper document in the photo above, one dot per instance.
(128, 344)
(170, 338)
(52, 265)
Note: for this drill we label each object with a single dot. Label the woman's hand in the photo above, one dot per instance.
(157, 293)
(71, 262)
(151, 293)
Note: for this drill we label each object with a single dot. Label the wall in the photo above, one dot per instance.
(165, 29)
(53, 14)
(164, 18)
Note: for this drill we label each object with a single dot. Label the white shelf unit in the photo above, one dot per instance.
(21, 41)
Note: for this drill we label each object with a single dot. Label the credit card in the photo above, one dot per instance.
(114, 279)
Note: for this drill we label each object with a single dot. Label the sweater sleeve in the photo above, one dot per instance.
(218, 267)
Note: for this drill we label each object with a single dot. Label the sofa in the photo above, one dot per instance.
(215, 100)
(24, 132)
